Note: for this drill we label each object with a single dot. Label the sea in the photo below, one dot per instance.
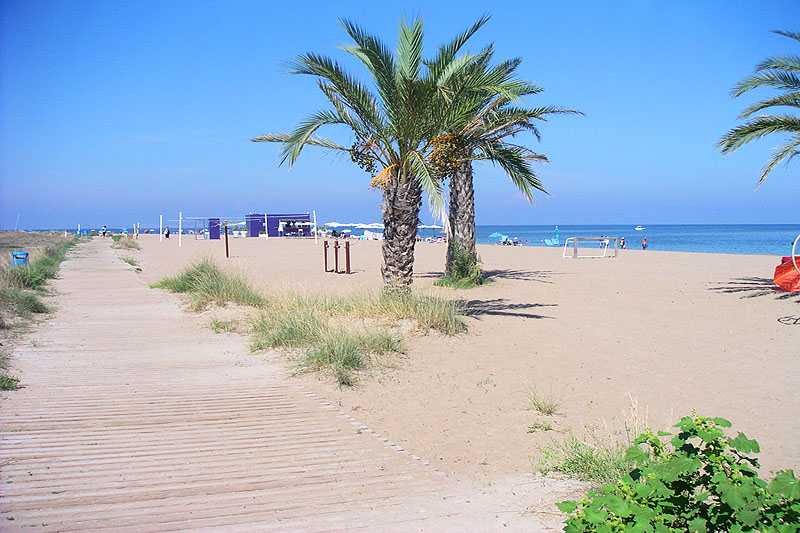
(759, 239)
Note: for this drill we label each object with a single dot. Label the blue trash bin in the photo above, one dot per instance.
(19, 259)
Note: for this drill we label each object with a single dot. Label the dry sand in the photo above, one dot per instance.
(672, 331)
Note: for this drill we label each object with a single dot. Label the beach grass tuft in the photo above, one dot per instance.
(207, 284)
(306, 323)
(8, 382)
(125, 244)
(544, 404)
(219, 326)
(130, 260)
(600, 456)
(596, 459)
(429, 312)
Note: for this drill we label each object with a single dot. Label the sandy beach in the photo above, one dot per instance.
(671, 331)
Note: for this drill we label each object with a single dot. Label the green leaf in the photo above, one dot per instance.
(618, 506)
(595, 516)
(722, 422)
(680, 465)
(642, 490)
(636, 454)
(744, 445)
(748, 517)
(785, 483)
(734, 495)
(697, 525)
(567, 507)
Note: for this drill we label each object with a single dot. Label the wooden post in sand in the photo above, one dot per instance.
(227, 255)
(325, 249)
(160, 228)
(336, 257)
(180, 228)
(347, 257)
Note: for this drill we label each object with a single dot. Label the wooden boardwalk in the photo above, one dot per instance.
(135, 417)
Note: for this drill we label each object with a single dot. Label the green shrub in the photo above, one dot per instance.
(700, 481)
(465, 271)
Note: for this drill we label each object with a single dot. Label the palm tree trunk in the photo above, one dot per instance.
(462, 215)
(401, 204)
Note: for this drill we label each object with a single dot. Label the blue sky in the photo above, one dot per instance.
(115, 112)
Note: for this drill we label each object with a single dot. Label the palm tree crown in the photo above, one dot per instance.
(782, 73)
(393, 127)
(489, 118)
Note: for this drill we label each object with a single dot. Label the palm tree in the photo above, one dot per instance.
(393, 129)
(482, 133)
(782, 73)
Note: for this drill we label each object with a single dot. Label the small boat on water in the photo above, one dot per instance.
(639, 228)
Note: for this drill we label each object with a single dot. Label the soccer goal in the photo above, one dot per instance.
(581, 247)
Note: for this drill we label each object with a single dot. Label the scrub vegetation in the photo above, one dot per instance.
(22, 287)
(207, 284)
(339, 334)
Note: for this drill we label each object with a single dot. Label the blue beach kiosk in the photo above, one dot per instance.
(289, 225)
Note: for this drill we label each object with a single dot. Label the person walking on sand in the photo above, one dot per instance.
(166, 232)
(622, 243)
(644, 243)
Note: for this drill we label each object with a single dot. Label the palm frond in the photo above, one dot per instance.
(378, 59)
(790, 62)
(786, 153)
(774, 78)
(409, 49)
(790, 34)
(428, 180)
(302, 135)
(783, 100)
(518, 167)
(757, 128)
(449, 51)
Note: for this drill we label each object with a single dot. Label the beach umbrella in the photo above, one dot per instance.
(346, 231)
(496, 235)
(429, 226)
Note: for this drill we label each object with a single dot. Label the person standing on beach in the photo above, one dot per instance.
(104, 230)
(644, 243)
(166, 232)
(622, 243)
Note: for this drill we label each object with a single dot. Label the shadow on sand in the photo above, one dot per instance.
(501, 306)
(542, 276)
(753, 287)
